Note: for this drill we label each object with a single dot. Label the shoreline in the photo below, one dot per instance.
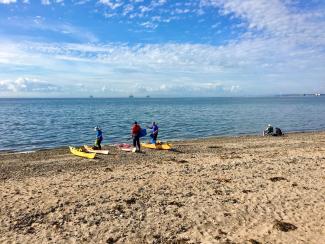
(246, 189)
(5, 152)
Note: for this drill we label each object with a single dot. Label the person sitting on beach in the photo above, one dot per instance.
(278, 132)
(99, 138)
(268, 130)
(135, 132)
(154, 132)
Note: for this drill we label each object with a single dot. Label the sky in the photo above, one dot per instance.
(161, 48)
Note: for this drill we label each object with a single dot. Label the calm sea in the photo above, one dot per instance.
(29, 124)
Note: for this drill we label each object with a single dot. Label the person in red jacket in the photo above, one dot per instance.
(135, 132)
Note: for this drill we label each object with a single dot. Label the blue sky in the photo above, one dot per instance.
(161, 48)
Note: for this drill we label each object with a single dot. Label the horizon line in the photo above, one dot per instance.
(166, 97)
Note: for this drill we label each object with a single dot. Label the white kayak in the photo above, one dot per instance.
(90, 149)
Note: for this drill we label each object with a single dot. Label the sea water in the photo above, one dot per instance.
(29, 124)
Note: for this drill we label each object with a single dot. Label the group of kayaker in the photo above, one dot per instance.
(135, 133)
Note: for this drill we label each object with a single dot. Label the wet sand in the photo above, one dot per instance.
(221, 190)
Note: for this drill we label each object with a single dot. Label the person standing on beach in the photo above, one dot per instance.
(154, 132)
(99, 138)
(135, 132)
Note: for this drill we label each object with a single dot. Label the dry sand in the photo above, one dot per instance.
(221, 190)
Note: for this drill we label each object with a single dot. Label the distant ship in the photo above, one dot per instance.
(147, 96)
(91, 96)
(304, 94)
(131, 96)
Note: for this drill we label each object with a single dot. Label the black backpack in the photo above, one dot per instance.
(277, 132)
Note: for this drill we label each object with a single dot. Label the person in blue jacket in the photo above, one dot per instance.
(99, 138)
(154, 132)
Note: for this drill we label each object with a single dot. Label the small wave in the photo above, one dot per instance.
(13, 152)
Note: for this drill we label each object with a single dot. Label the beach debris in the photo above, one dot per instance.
(131, 200)
(182, 161)
(108, 169)
(112, 240)
(219, 192)
(231, 155)
(175, 203)
(188, 194)
(182, 240)
(182, 228)
(278, 178)
(221, 180)
(232, 201)
(118, 209)
(158, 238)
(213, 147)
(254, 241)
(284, 226)
(221, 232)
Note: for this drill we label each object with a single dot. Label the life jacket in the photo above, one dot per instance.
(136, 129)
(99, 135)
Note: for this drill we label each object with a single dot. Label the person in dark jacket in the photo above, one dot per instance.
(268, 130)
(278, 132)
(135, 132)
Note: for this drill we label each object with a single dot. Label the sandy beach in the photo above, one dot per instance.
(248, 189)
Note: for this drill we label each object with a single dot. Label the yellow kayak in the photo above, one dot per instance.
(158, 145)
(80, 153)
(91, 150)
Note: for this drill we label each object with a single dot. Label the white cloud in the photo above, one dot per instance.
(282, 47)
(155, 11)
(111, 3)
(149, 25)
(233, 88)
(145, 8)
(185, 89)
(275, 19)
(272, 17)
(24, 84)
(156, 3)
(181, 11)
(63, 28)
(81, 2)
(116, 67)
(45, 2)
(187, 68)
(7, 1)
(127, 9)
